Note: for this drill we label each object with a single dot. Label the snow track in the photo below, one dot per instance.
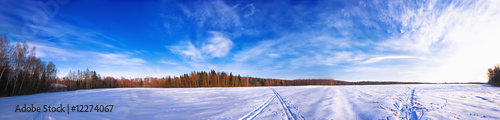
(287, 111)
(341, 100)
(406, 106)
(289, 115)
(259, 109)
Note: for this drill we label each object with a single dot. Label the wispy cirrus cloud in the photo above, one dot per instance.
(369, 32)
(378, 59)
(61, 54)
(212, 14)
(302, 51)
(66, 59)
(455, 36)
(46, 51)
(168, 62)
(33, 21)
(187, 49)
(431, 26)
(118, 59)
(70, 45)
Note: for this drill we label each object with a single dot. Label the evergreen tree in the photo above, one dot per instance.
(94, 76)
(231, 78)
(140, 84)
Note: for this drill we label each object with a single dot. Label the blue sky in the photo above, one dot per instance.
(431, 41)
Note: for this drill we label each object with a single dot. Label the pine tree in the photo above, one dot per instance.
(140, 84)
(169, 81)
(231, 79)
(94, 76)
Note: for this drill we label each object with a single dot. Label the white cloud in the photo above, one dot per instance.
(202, 66)
(55, 53)
(257, 50)
(212, 13)
(105, 63)
(218, 45)
(302, 50)
(458, 37)
(248, 9)
(436, 24)
(46, 51)
(303, 44)
(168, 63)
(321, 59)
(186, 49)
(443, 41)
(273, 55)
(214, 47)
(27, 20)
(378, 59)
(118, 59)
(361, 69)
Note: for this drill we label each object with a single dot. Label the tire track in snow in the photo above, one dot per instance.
(286, 109)
(259, 109)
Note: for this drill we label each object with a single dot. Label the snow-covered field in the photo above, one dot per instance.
(304, 102)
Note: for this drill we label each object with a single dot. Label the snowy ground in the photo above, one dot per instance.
(305, 102)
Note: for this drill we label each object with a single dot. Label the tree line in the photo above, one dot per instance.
(21, 72)
(90, 79)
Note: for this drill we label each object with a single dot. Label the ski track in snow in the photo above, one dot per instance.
(259, 109)
(315, 102)
(289, 115)
(286, 109)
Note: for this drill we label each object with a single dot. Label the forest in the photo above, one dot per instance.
(90, 79)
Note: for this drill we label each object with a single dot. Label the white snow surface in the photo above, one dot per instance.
(426, 101)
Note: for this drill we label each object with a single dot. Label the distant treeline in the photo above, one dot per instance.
(90, 79)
